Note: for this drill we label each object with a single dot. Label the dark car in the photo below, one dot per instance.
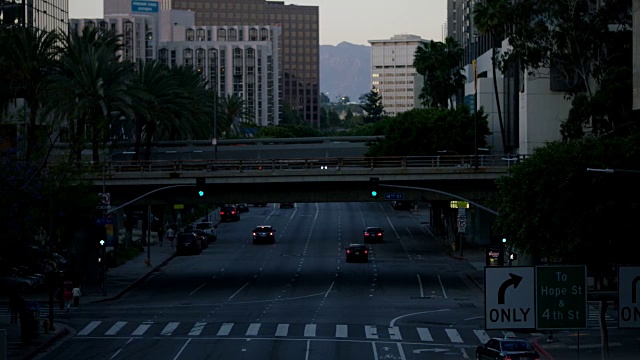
(210, 229)
(401, 205)
(373, 234)
(287, 205)
(204, 239)
(264, 234)
(243, 207)
(229, 213)
(357, 253)
(188, 243)
(506, 348)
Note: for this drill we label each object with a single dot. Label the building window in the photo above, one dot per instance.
(200, 61)
(188, 57)
(200, 35)
(232, 35)
(213, 69)
(103, 25)
(222, 35)
(253, 34)
(190, 35)
(163, 56)
(264, 34)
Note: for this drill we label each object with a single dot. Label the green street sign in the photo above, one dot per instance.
(561, 297)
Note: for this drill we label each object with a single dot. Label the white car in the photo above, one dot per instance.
(209, 228)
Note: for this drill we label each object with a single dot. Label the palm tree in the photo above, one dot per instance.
(92, 86)
(487, 17)
(27, 56)
(438, 63)
(233, 114)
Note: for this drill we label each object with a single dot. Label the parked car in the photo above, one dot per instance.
(243, 207)
(287, 205)
(210, 229)
(507, 348)
(229, 213)
(264, 234)
(373, 234)
(357, 253)
(204, 240)
(188, 243)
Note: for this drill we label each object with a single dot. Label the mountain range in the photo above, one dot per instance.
(345, 70)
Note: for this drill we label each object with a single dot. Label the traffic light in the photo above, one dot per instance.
(201, 184)
(504, 240)
(102, 250)
(374, 190)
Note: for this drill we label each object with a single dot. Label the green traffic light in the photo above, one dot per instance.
(200, 193)
(504, 240)
(374, 193)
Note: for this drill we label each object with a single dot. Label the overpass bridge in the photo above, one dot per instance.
(323, 179)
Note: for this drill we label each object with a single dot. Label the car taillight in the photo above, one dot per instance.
(379, 234)
(366, 234)
(348, 251)
(507, 357)
(366, 251)
(254, 234)
(221, 212)
(270, 234)
(233, 212)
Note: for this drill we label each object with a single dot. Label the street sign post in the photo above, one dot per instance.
(394, 196)
(561, 297)
(509, 297)
(629, 297)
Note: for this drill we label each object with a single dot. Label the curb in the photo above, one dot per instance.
(541, 350)
(136, 282)
(40, 348)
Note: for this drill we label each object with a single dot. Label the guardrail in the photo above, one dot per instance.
(400, 162)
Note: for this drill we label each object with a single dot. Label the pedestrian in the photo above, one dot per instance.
(67, 295)
(160, 235)
(76, 296)
(170, 236)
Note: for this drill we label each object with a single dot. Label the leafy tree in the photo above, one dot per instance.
(438, 63)
(427, 131)
(324, 99)
(232, 114)
(551, 207)
(487, 18)
(333, 118)
(372, 106)
(290, 116)
(580, 45)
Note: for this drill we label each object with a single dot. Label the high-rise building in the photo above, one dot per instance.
(298, 49)
(49, 15)
(393, 73)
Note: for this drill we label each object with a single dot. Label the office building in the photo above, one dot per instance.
(299, 59)
(393, 73)
(49, 15)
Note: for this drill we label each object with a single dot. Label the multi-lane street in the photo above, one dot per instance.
(297, 298)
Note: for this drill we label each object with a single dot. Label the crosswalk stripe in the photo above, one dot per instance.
(116, 327)
(424, 334)
(454, 335)
(394, 333)
(89, 328)
(371, 331)
(342, 331)
(482, 336)
(282, 330)
(225, 329)
(140, 330)
(197, 328)
(310, 330)
(253, 329)
(169, 329)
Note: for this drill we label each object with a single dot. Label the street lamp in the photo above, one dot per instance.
(104, 214)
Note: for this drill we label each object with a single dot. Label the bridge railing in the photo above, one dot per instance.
(357, 163)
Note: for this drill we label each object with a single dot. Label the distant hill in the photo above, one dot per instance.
(345, 69)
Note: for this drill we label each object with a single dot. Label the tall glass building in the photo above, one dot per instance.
(298, 49)
(49, 15)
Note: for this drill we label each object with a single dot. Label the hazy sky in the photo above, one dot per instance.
(354, 21)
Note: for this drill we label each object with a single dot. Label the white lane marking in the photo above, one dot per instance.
(119, 350)
(182, 349)
(393, 322)
(328, 291)
(444, 293)
(169, 329)
(371, 331)
(198, 288)
(375, 350)
(454, 335)
(306, 354)
(401, 352)
(225, 329)
(236, 293)
(424, 334)
(310, 330)
(140, 330)
(342, 331)
(89, 328)
(392, 227)
(282, 330)
(116, 327)
(482, 335)
(394, 333)
(197, 328)
(253, 329)
(420, 286)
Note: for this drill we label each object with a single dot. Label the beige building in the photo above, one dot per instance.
(240, 60)
(393, 74)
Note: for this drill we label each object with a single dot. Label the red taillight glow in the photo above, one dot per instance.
(348, 251)
(221, 212)
(366, 234)
(379, 234)
(366, 251)
(507, 357)
(233, 212)
(270, 234)
(254, 234)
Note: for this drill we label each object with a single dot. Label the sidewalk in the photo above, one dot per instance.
(119, 281)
